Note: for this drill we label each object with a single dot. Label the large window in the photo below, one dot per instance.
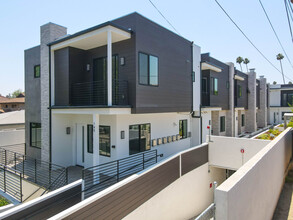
(222, 124)
(105, 141)
(204, 85)
(242, 120)
(37, 71)
(183, 129)
(90, 138)
(148, 69)
(239, 91)
(35, 135)
(215, 88)
(139, 138)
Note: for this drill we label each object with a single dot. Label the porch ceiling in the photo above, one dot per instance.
(92, 39)
(209, 66)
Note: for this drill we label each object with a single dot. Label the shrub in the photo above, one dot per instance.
(3, 201)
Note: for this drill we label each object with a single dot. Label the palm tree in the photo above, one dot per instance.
(246, 61)
(280, 57)
(239, 60)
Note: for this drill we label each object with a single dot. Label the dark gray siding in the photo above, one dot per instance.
(222, 99)
(242, 101)
(174, 92)
(32, 96)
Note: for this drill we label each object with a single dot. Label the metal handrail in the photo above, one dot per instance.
(52, 184)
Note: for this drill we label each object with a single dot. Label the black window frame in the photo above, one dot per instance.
(35, 71)
(213, 87)
(239, 91)
(222, 124)
(36, 141)
(181, 128)
(242, 120)
(90, 147)
(148, 69)
(139, 138)
(109, 153)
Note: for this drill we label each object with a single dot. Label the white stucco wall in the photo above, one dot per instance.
(12, 137)
(185, 198)
(277, 111)
(253, 191)
(162, 125)
(206, 120)
(226, 151)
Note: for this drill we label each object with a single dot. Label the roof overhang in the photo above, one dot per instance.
(209, 66)
(238, 78)
(92, 39)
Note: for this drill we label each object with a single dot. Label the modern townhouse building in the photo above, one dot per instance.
(111, 91)
(281, 97)
(233, 102)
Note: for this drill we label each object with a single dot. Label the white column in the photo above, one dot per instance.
(96, 139)
(109, 66)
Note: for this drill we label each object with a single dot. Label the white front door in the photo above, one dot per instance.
(80, 144)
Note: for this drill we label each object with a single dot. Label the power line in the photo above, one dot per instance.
(286, 7)
(275, 33)
(250, 40)
(164, 17)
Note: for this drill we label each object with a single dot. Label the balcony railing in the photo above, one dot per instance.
(96, 93)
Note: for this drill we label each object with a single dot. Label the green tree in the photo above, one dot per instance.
(239, 60)
(275, 83)
(246, 61)
(290, 82)
(14, 94)
(280, 57)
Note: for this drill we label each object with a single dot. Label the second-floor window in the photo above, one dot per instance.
(37, 71)
(215, 88)
(239, 91)
(204, 85)
(148, 69)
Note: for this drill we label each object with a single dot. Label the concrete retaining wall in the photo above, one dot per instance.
(253, 191)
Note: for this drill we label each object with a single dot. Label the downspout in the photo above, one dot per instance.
(192, 112)
(50, 109)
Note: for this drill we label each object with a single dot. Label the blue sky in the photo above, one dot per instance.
(200, 21)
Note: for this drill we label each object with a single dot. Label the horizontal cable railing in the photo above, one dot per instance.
(100, 177)
(37, 171)
(11, 183)
(96, 93)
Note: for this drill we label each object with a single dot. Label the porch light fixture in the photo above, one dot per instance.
(122, 135)
(88, 67)
(68, 130)
(122, 61)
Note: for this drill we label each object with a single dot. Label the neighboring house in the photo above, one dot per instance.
(12, 120)
(111, 91)
(281, 97)
(231, 100)
(12, 104)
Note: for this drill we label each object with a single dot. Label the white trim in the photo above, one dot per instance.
(33, 202)
(211, 109)
(125, 35)
(239, 108)
(238, 78)
(110, 189)
(90, 111)
(208, 66)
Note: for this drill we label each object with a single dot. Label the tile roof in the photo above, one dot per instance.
(12, 100)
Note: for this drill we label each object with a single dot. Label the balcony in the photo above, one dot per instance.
(95, 93)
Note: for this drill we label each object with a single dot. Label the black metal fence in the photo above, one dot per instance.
(11, 183)
(96, 93)
(100, 177)
(47, 175)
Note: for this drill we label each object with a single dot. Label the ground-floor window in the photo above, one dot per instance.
(139, 138)
(183, 129)
(242, 120)
(222, 123)
(105, 141)
(35, 135)
(90, 139)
